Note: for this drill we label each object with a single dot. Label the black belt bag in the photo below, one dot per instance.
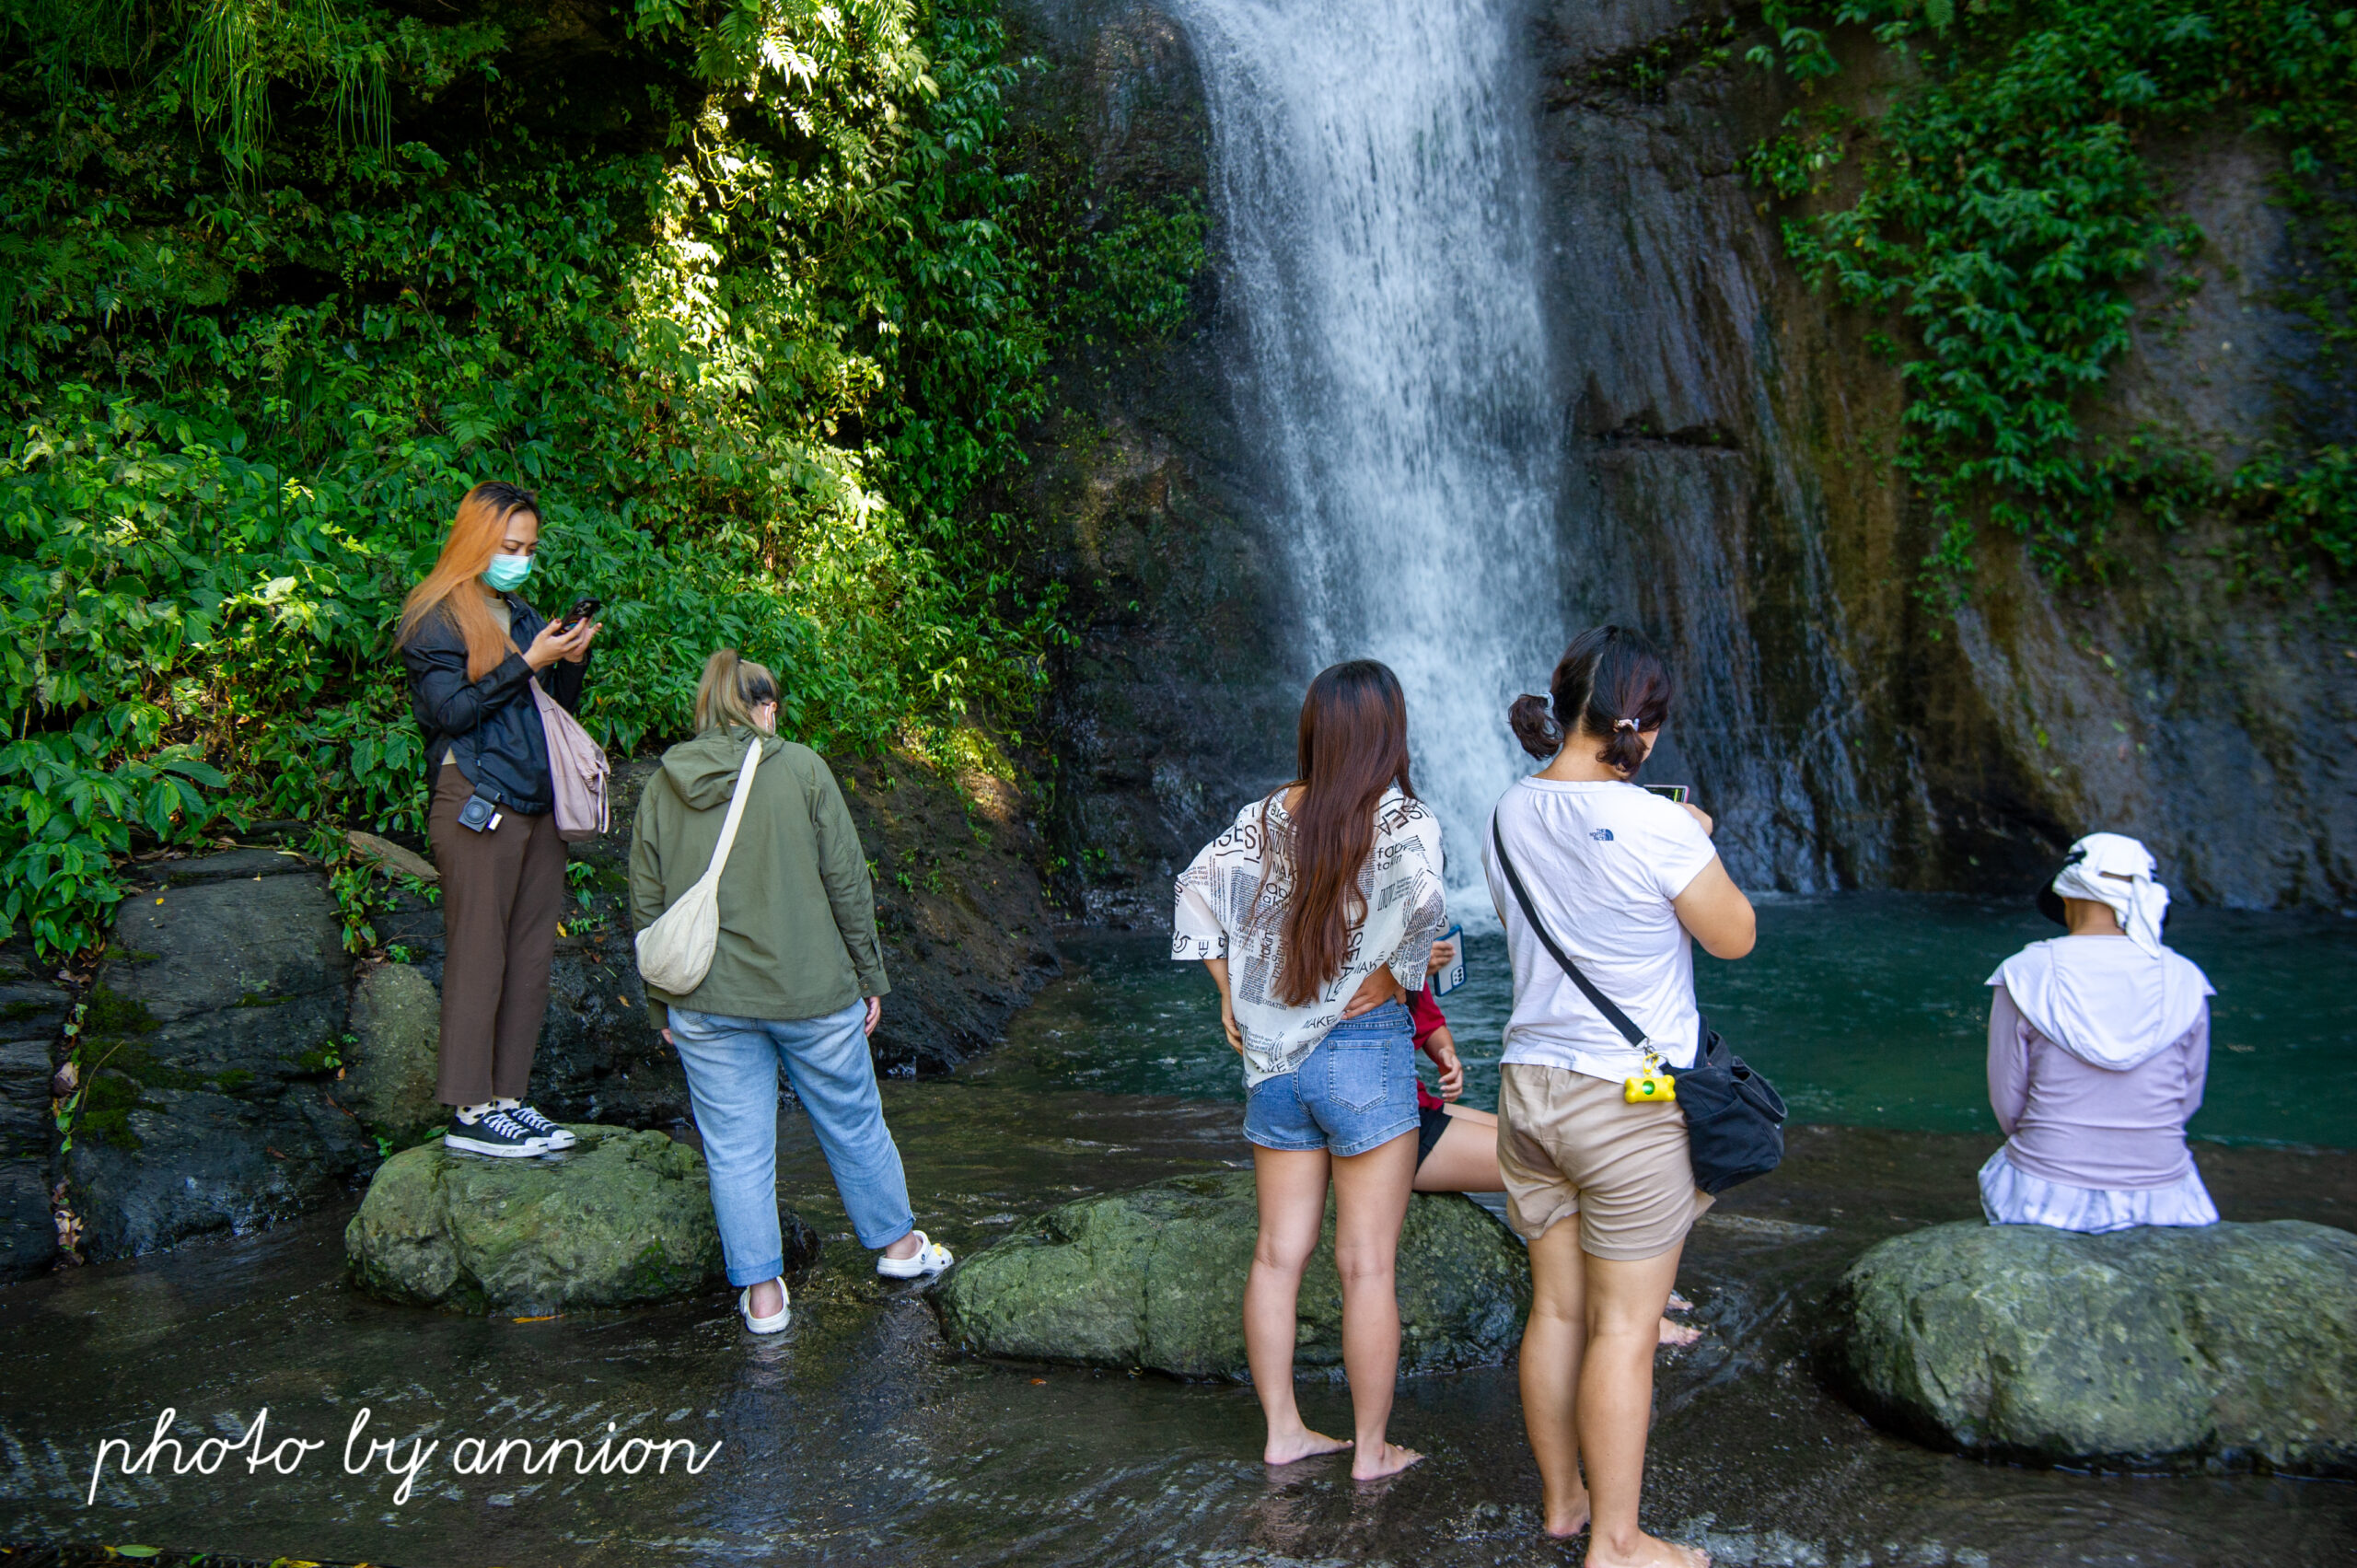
(1735, 1117)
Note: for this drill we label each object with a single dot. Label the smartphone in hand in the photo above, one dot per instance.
(583, 609)
(1670, 792)
(1452, 977)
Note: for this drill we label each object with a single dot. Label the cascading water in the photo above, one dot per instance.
(1376, 185)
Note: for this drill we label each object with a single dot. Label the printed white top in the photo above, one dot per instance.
(1224, 911)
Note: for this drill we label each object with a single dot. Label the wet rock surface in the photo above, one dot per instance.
(2227, 1346)
(1154, 1278)
(623, 1219)
(213, 1031)
(395, 1059)
(33, 1009)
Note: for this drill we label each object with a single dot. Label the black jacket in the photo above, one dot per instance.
(492, 724)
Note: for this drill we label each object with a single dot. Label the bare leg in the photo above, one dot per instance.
(1623, 1302)
(1292, 1188)
(1370, 1201)
(1553, 1343)
(1465, 1160)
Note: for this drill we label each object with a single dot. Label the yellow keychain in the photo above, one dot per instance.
(1651, 1085)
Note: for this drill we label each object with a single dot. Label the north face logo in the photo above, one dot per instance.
(1604, 833)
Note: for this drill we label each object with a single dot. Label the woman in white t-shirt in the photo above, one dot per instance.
(1621, 879)
(1315, 914)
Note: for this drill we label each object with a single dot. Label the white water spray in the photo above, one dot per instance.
(1376, 183)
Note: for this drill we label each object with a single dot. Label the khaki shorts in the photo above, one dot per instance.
(1568, 1145)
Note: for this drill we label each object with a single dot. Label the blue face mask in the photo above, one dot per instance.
(507, 572)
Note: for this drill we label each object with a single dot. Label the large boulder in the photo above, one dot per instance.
(624, 1218)
(392, 1070)
(1154, 1278)
(214, 1032)
(2223, 1347)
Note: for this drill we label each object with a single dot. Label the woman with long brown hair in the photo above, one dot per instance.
(1315, 913)
(473, 650)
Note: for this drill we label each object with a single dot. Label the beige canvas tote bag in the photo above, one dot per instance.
(675, 953)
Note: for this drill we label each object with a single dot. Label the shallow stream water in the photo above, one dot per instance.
(854, 1437)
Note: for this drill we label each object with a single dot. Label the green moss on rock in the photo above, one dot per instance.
(2228, 1346)
(1154, 1278)
(623, 1219)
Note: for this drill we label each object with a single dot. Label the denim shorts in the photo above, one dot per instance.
(1355, 1091)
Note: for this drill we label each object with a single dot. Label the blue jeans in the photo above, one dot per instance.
(732, 1078)
(1355, 1091)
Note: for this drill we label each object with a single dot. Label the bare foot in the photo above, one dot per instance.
(1647, 1551)
(1679, 1303)
(1390, 1459)
(1299, 1445)
(1569, 1518)
(1676, 1333)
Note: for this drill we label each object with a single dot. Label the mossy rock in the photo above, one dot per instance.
(1154, 1278)
(623, 1219)
(2224, 1346)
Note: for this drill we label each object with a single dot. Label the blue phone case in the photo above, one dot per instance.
(1452, 977)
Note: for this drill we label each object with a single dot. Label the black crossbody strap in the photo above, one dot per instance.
(1604, 1005)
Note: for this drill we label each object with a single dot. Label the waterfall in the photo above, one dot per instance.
(1375, 181)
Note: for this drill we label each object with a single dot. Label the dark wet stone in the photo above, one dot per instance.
(214, 1028)
(1154, 1278)
(2230, 1345)
(243, 865)
(33, 1009)
(623, 1219)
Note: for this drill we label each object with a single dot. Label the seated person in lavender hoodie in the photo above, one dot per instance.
(2098, 1044)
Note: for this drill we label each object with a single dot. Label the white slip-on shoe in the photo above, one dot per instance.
(928, 1260)
(770, 1325)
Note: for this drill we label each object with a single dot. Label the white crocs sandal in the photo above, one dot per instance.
(928, 1260)
(772, 1325)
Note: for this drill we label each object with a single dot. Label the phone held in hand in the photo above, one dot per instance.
(583, 609)
(1670, 792)
(1452, 977)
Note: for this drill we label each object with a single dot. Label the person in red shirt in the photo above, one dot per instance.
(1456, 1146)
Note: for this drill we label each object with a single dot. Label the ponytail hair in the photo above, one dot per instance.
(1611, 686)
(731, 689)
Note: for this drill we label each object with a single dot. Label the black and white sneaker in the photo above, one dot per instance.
(495, 1134)
(540, 1126)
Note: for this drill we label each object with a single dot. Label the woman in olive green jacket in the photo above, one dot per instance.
(796, 978)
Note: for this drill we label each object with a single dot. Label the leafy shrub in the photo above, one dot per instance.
(2004, 210)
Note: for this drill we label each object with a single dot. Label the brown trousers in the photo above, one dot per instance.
(502, 890)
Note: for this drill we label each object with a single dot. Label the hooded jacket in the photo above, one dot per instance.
(797, 912)
(491, 726)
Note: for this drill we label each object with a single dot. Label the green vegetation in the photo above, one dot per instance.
(740, 285)
(2004, 208)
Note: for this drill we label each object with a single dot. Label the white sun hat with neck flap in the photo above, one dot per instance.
(2117, 871)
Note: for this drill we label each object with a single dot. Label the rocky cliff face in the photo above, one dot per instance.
(1727, 484)
(1168, 710)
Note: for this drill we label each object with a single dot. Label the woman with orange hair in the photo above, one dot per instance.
(473, 650)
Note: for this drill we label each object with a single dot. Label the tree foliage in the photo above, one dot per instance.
(733, 284)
